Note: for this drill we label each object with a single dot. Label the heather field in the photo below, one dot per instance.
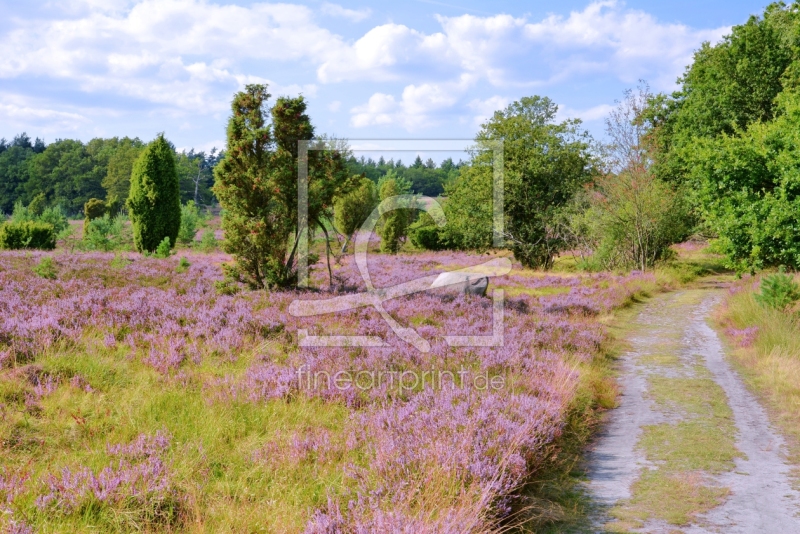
(142, 394)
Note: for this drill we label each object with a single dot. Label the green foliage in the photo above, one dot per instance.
(154, 200)
(113, 205)
(183, 265)
(117, 180)
(55, 216)
(545, 164)
(425, 178)
(164, 249)
(46, 268)
(21, 213)
(729, 86)
(256, 184)
(778, 291)
(208, 241)
(394, 224)
(27, 235)
(748, 188)
(190, 219)
(37, 205)
(352, 209)
(67, 174)
(93, 209)
(468, 210)
(426, 234)
(633, 220)
(103, 233)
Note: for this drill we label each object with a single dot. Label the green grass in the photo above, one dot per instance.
(771, 366)
(213, 453)
(674, 497)
(697, 443)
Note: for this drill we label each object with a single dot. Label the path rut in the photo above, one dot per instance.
(761, 497)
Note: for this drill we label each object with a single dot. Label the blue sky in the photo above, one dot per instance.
(413, 69)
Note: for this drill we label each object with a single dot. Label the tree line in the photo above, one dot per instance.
(719, 158)
(68, 172)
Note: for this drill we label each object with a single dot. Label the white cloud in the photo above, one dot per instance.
(141, 51)
(185, 57)
(508, 51)
(415, 108)
(594, 113)
(22, 112)
(335, 10)
(484, 109)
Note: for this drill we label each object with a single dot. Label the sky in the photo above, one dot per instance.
(416, 69)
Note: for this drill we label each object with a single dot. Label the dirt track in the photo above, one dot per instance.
(673, 329)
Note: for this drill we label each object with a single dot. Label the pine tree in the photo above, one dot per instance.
(154, 200)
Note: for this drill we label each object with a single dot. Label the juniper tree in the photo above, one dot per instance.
(256, 184)
(154, 200)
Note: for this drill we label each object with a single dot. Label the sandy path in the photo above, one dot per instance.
(762, 498)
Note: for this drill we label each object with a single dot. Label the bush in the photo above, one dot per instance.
(46, 268)
(778, 291)
(183, 265)
(37, 205)
(394, 224)
(164, 249)
(27, 235)
(425, 234)
(351, 210)
(190, 218)
(154, 201)
(103, 233)
(55, 216)
(208, 242)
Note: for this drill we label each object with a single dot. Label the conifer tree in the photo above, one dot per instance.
(154, 200)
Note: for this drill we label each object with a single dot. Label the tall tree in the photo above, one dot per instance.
(66, 173)
(256, 184)
(154, 200)
(545, 164)
(117, 180)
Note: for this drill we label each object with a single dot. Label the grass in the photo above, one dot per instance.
(671, 497)
(696, 442)
(214, 444)
(771, 365)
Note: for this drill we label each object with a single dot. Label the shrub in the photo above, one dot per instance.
(46, 268)
(103, 233)
(37, 205)
(27, 234)
(351, 210)
(394, 225)
(93, 209)
(190, 218)
(164, 249)
(424, 233)
(778, 291)
(21, 213)
(208, 242)
(55, 215)
(183, 265)
(154, 200)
